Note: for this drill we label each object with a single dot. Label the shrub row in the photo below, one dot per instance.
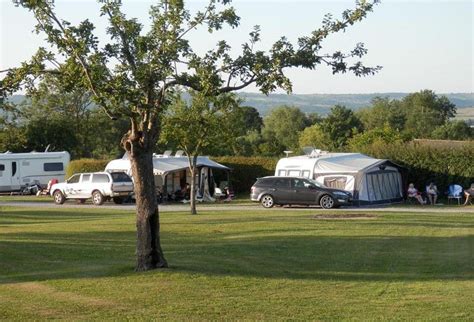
(85, 165)
(245, 170)
(443, 165)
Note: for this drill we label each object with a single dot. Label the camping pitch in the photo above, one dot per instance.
(172, 172)
(371, 181)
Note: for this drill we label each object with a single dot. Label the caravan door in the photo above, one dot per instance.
(15, 176)
(9, 176)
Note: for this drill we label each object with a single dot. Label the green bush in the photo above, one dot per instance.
(441, 164)
(85, 165)
(245, 170)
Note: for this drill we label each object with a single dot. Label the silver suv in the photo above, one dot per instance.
(100, 186)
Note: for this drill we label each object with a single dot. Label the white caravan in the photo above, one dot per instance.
(371, 181)
(18, 170)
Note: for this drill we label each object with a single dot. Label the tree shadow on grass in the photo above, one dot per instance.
(45, 256)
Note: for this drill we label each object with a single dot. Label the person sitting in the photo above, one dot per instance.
(469, 193)
(186, 190)
(432, 192)
(227, 196)
(414, 193)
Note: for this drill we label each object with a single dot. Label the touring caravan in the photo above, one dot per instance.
(371, 181)
(18, 170)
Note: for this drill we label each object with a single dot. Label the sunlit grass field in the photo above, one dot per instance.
(268, 265)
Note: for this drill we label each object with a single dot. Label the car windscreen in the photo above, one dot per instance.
(120, 177)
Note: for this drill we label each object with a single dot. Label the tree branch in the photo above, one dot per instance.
(83, 64)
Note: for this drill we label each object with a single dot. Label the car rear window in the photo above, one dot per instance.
(120, 177)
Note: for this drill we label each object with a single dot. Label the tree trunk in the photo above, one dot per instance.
(148, 251)
(193, 186)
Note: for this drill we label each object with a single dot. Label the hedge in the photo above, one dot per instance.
(85, 165)
(245, 170)
(443, 165)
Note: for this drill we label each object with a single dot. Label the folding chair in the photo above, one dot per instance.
(455, 191)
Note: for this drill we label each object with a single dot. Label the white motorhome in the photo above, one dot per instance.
(18, 170)
(370, 180)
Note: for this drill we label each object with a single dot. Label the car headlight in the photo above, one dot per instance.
(340, 193)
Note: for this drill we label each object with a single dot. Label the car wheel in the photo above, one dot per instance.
(59, 198)
(97, 198)
(118, 200)
(267, 201)
(327, 202)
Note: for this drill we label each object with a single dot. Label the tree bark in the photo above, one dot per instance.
(193, 186)
(148, 249)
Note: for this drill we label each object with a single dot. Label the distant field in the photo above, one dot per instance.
(75, 264)
(466, 113)
(321, 103)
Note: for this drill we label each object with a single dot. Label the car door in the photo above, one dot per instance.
(281, 190)
(72, 185)
(84, 189)
(302, 192)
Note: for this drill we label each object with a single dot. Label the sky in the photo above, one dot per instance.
(420, 44)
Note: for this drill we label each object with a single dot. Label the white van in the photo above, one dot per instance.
(18, 170)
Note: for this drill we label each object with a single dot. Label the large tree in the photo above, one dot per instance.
(133, 73)
(425, 111)
(340, 125)
(281, 129)
(382, 112)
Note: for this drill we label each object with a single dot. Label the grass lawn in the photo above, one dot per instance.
(270, 265)
(26, 198)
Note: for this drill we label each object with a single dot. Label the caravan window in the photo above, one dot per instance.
(306, 173)
(2, 167)
(294, 173)
(282, 173)
(53, 166)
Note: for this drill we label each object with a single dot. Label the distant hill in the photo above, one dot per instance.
(322, 103)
